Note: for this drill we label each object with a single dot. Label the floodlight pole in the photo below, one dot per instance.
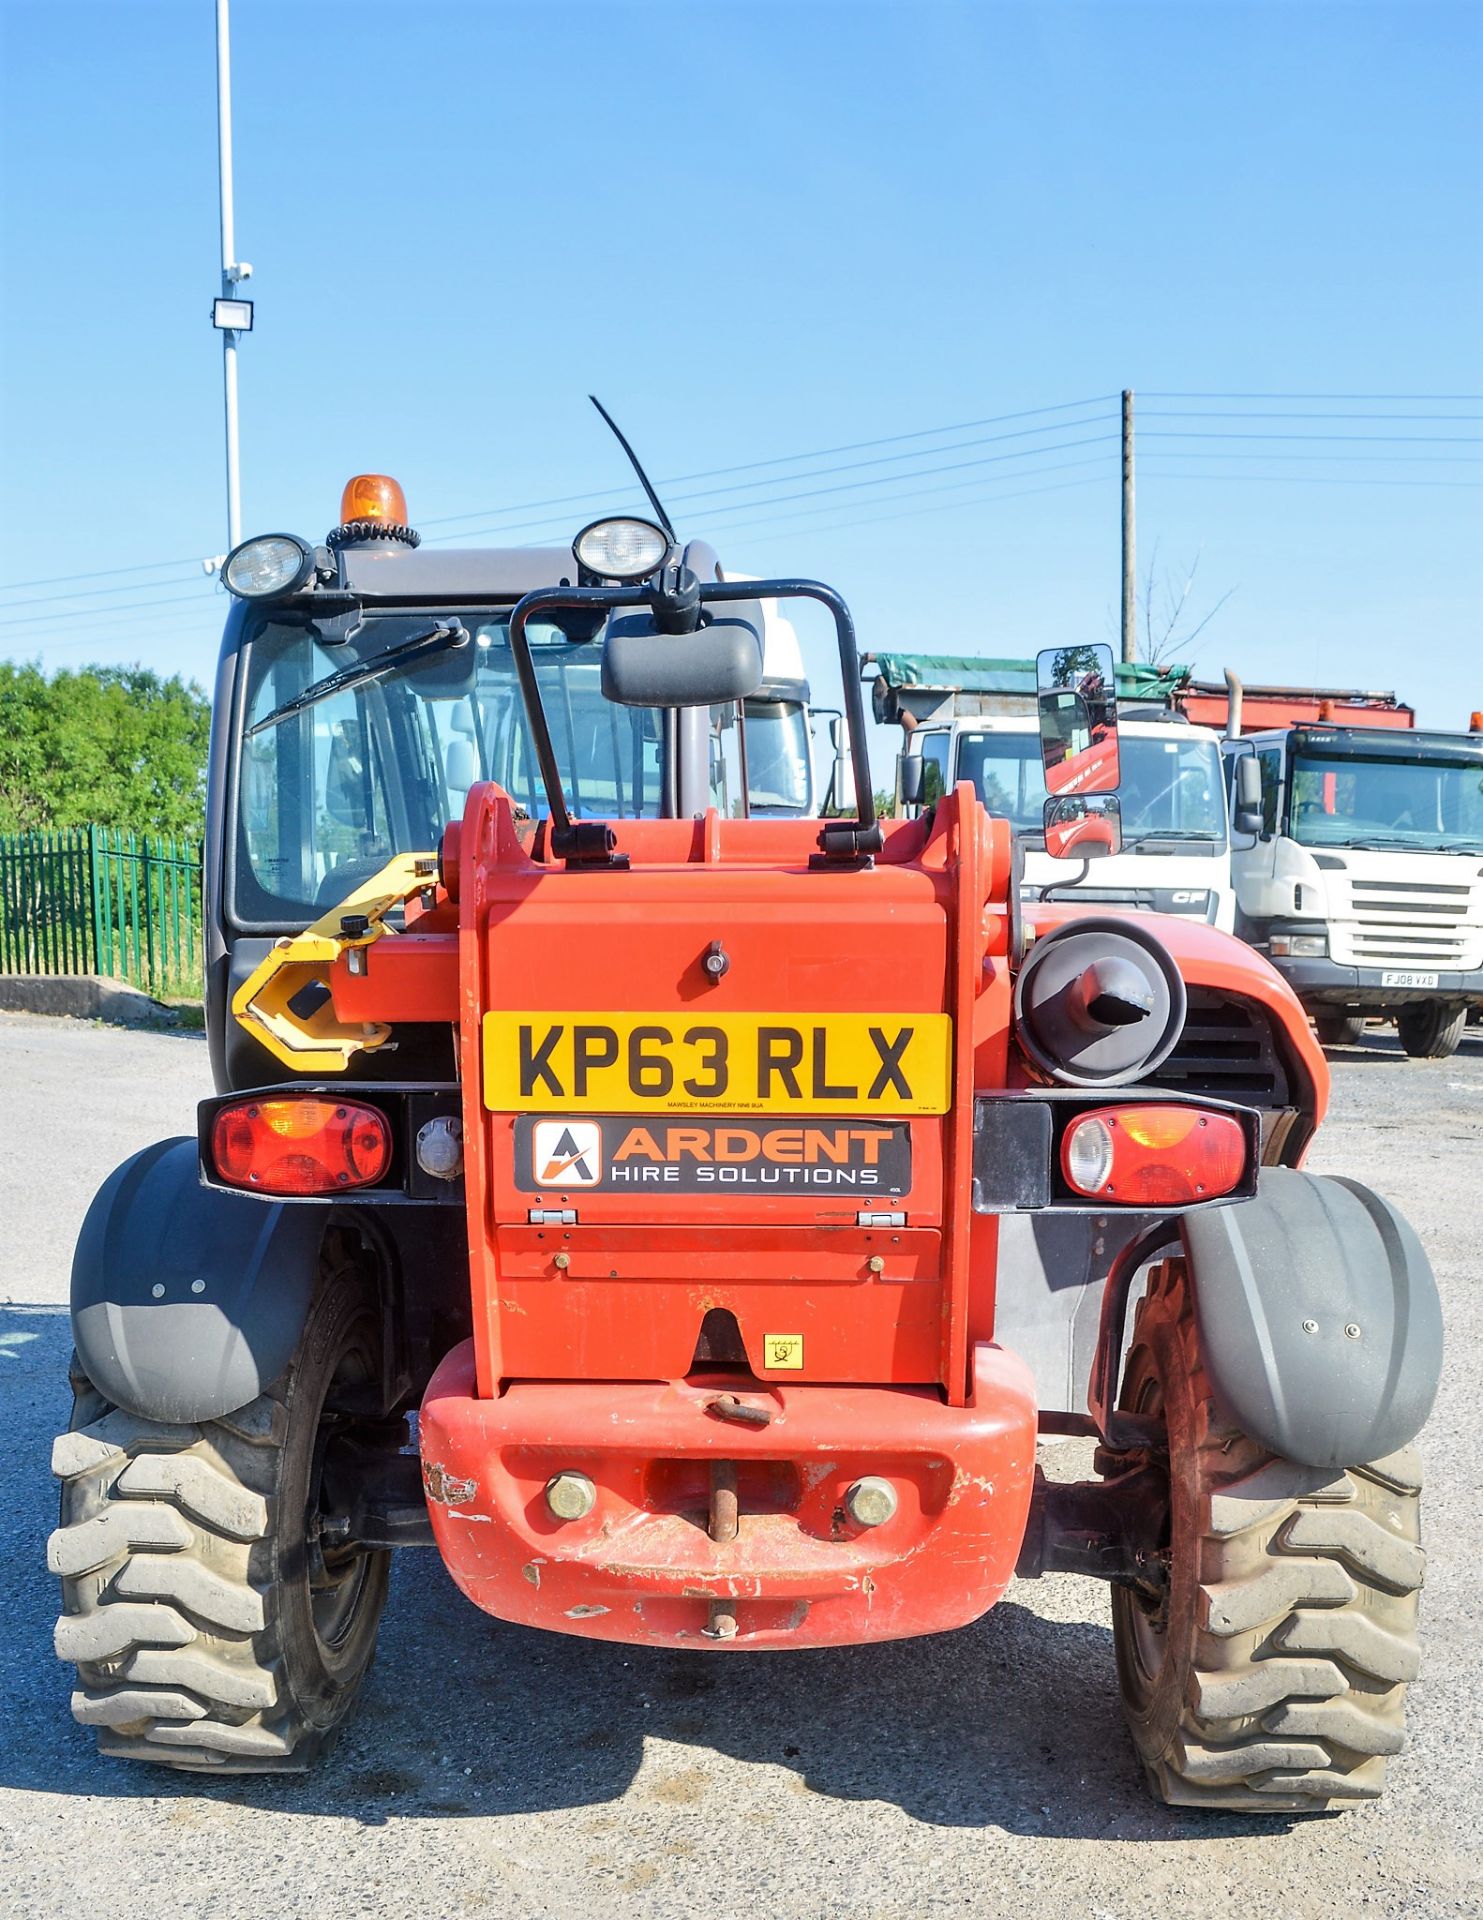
(233, 271)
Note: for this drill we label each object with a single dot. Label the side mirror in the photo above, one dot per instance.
(1076, 698)
(1083, 827)
(720, 662)
(1247, 816)
(909, 770)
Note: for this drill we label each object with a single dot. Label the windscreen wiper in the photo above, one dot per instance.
(422, 646)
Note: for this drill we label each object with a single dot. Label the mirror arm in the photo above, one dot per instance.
(854, 842)
(843, 842)
(575, 841)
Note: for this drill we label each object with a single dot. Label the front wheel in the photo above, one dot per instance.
(1431, 1029)
(209, 1626)
(1339, 1029)
(1269, 1672)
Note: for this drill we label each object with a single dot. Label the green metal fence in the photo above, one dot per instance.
(99, 900)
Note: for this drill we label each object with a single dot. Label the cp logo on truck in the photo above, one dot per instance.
(878, 1063)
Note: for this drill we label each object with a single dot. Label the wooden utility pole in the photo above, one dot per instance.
(1130, 563)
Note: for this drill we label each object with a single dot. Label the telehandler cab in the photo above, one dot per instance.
(643, 1203)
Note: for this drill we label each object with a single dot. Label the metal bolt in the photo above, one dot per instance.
(198, 1286)
(1351, 1332)
(561, 1261)
(871, 1501)
(570, 1496)
(158, 1290)
(876, 1264)
(1310, 1326)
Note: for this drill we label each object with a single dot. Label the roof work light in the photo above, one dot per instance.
(621, 549)
(271, 564)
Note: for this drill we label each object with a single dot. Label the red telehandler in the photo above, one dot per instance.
(656, 1158)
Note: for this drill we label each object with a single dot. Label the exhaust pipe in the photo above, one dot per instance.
(1234, 697)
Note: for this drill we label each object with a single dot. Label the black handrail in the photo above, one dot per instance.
(854, 840)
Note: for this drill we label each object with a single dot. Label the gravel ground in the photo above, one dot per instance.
(494, 1770)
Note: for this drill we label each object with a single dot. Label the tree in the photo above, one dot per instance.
(115, 745)
(1167, 626)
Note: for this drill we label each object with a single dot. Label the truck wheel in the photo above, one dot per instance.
(208, 1627)
(1269, 1675)
(1431, 1029)
(1339, 1029)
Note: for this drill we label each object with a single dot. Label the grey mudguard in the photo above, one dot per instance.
(187, 1302)
(1319, 1320)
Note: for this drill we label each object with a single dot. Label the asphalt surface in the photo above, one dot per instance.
(498, 1771)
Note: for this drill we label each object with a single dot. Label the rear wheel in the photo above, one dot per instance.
(1431, 1029)
(1269, 1674)
(209, 1627)
(1339, 1029)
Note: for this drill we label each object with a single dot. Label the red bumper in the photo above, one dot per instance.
(641, 1566)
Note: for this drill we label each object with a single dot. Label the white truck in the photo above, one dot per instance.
(1175, 854)
(1364, 884)
(780, 776)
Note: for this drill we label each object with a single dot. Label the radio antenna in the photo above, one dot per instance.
(633, 460)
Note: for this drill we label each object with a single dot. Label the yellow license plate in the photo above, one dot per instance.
(738, 1062)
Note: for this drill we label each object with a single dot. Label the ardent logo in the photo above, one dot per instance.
(567, 1153)
(617, 1154)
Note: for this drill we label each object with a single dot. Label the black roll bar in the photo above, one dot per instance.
(853, 842)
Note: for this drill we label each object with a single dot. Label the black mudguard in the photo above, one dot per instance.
(187, 1302)
(1319, 1320)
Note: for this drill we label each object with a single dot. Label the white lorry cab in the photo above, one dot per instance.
(1364, 882)
(771, 754)
(1175, 855)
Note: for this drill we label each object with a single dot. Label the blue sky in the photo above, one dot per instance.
(759, 231)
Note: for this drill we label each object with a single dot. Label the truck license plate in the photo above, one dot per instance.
(1408, 979)
(817, 1063)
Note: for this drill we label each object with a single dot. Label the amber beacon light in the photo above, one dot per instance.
(374, 496)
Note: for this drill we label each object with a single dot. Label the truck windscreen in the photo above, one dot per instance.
(778, 750)
(328, 793)
(1171, 789)
(1426, 805)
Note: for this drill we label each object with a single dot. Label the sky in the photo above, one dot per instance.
(877, 273)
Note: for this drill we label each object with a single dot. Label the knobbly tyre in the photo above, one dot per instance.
(674, 1166)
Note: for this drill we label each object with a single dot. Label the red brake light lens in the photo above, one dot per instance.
(1161, 1156)
(300, 1145)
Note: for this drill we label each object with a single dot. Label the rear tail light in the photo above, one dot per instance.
(300, 1145)
(1160, 1156)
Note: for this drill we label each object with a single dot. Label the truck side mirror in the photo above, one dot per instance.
(1076, 699)
(1247, 816)
(909, 768)
(1083, 827)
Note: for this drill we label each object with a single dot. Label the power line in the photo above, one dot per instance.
(89, 613)
(103, 573)
(849, 486)
(878, 519)
(1315, 479)
(1462, 399)
(1360, 459)
(913, 493)
(711, 493)
(1196, 413)
(791, 459)
(1341, 439)
(98, 593)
